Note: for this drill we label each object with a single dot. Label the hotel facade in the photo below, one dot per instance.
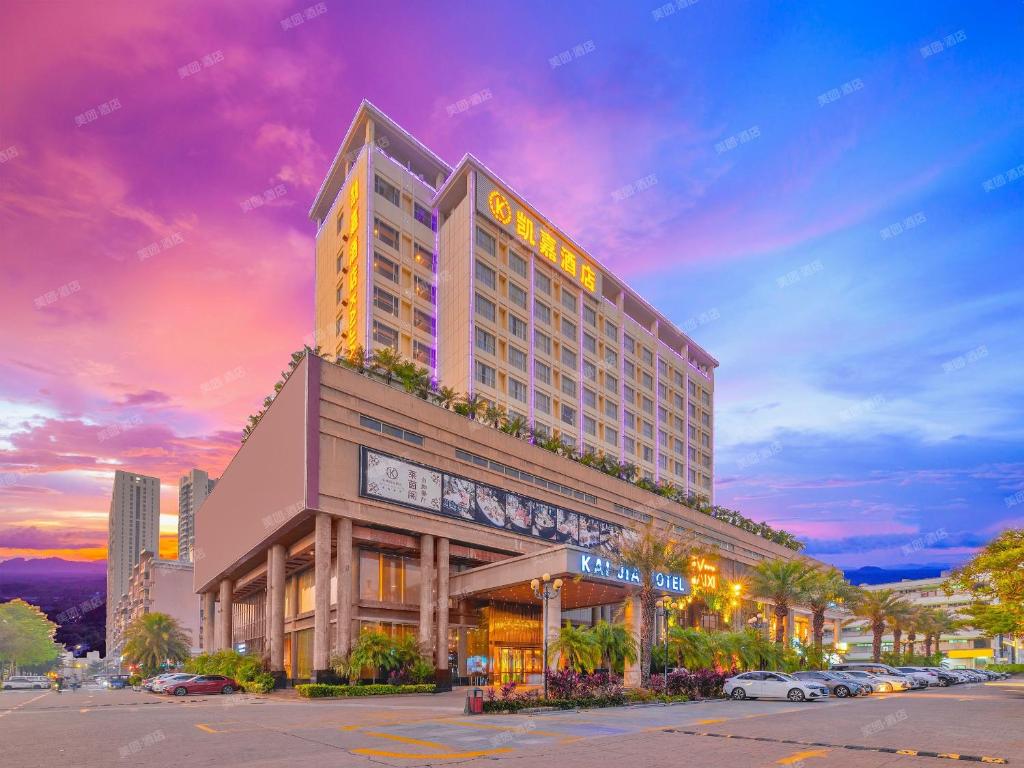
(454, 269)
(355, 505)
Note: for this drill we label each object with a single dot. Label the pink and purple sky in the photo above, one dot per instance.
(869, 397)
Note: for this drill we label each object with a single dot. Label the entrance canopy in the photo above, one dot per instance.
(588, 579)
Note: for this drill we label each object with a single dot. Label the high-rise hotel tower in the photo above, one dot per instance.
(454, 269)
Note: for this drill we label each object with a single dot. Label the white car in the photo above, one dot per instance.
(22, 682)
(773, 685)
(930, 676)
(880, 683)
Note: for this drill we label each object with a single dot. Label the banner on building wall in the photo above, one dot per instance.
(389, 478)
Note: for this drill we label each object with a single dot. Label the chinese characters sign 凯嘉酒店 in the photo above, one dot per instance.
(511, 215)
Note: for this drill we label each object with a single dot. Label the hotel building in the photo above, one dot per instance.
(133, 526)
(355, 505)
(193, 489)
(454, 269)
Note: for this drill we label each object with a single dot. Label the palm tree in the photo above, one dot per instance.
(616, 643)
(446, 397)
(373, 649)
(154, 639)
(782, 582)
(474, 405)
(578, 647)
(916, 619)
(649, 551)
(388, 362)
(515, 426)
(690, 647)
(493, 414)
(897, 617)
(875, 605)
(938, 621)
(822, 589)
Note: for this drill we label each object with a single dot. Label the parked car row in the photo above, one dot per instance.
(184, 683)
(848, 680)
(21, 682)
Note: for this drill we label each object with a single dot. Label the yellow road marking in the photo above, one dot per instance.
(950, 755)
(83, 711)
(431, 755)
(709, 721)
(796, 757)
(351, 727)
(204, 727)
(906, 751)
(407, 740)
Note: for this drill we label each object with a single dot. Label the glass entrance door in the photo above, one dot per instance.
(517, 665)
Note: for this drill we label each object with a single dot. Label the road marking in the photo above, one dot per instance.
(431, 755)
(6, 712)
(712, 720)
(797, 757)
(83, 711)
(204, 727)
(507, 728)
(407, 740)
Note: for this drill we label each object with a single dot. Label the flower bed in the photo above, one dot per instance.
(701, 684)
(572, 690)
(322, 690)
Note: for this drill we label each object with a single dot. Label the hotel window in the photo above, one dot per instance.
(648, 357)
(662, 438)
(337, 296)
(423, 321)
(662, 415)
(422, 215)
(385, 233)
(517, 326)
(484, 340)
(568, 300)
(569, 415)
(589, 370)
(517, 358)
(611, 383)
(662, 391)
(662, 368)
(611, 410)
(306, 591)
(589, 398)
(693, 476)
(705, 419)
(516, 389)
(629, 370)
(648, 380)
(648, 453)
(423, 257)
(517, 263)
(541, 311)
(628, 394)
(678, 400)
(679, 469)
(611, 330)
(628, 420)
(705, 460)
(484, 274)
(541, 372)
(542, 282)
(385, 267)
(384, 301)
(678, 445)
(341, 218)
(693, 389)
(589, 315)
(662, 461)
(567, 440)
(568, 357)
(679, 379)
(485, 374)
(541, 402)
(611, 435)
(589, 343)
(693, 411)
(388, 578)
(337, 264)
(647, 430)
(542, 342)
(485, 241)
(385, 335)
(693, 432)
(589, 425)
(678, 424)
(629, 446)
(569, 386)
(568, 329)
(424, 289)
(692, 453)
(386, 190)
(484, 307)
(517, 295)
(648, 406)
(611, 357)
(422, 353)
(628, 344)
(705, 440)
(705, 399)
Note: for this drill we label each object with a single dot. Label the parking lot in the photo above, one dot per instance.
(95, 727)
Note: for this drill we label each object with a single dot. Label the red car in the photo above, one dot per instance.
(202, 684)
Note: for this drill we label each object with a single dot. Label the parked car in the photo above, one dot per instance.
(21, 682)
(973, 675)
(925, 679)
(117, 682)
(202, 684)
(942, 676)
(763, 684)
(878, 684)
(866, 688)
(899, 681)
(839, 687)
(163, 681)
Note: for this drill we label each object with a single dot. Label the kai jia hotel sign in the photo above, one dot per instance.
(531, 231)
(587, 564)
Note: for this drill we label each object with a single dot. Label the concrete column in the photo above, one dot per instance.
(209, 612)
(277, 582)
(631, 678)
(837, 631)
(224, 630)
(322, 597)
(426, 592)
(343, 631)
(554, 624)
(595, 615)
(442, 603)
(267, 608)
(463, 651)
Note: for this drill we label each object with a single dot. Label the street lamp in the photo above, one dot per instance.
(662, 607)
(545, 589)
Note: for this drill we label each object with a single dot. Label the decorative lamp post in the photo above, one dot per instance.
(662, 608)
(545, 589)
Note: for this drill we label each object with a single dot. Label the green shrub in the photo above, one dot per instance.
(323, 690)
(230, 663)
(1013, 669)
(585, 702)
(261, 683)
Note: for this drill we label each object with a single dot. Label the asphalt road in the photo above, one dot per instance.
(107, 728)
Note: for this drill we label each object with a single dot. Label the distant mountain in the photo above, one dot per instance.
(871, 574)
(50, 567)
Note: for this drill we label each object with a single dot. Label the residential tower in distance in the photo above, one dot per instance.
(193, 489)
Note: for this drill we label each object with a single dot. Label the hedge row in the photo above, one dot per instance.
(1013, 669)
(582, 702)
(323, 690)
